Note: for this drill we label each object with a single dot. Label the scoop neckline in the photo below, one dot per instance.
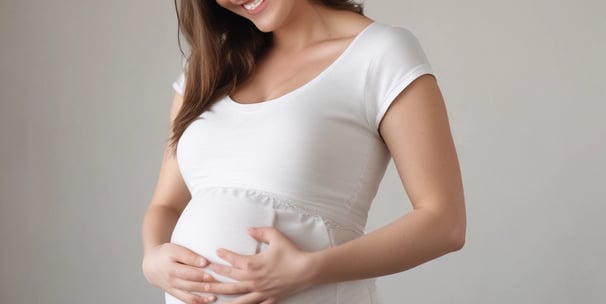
(316, 78)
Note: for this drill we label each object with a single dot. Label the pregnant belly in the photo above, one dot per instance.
(218, 218)
(213, 220)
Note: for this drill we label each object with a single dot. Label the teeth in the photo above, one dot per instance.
(252, 5)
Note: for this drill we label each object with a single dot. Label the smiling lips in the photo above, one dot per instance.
(252, 5)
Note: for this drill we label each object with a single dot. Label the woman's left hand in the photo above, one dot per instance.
(264, 278)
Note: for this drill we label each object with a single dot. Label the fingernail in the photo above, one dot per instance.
(203, 262)
(206, 277)
(210, 298)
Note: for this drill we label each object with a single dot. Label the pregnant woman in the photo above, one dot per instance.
(285, 117)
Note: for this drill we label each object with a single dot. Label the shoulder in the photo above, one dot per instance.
(392, 46)
(395, 59)
(393, 31)
(384, 37)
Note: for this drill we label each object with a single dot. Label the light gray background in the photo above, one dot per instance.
(85, 96)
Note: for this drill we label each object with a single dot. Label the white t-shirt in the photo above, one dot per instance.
(308, 163)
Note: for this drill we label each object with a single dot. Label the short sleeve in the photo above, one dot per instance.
(179, 83)
(398, 59)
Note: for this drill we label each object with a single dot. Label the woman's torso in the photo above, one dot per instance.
(308, 163)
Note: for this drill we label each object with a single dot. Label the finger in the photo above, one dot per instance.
(249, 298)
(230, 272)
(190, 286)
(228, 288)
(243, 262)
(190, 273)
(187, 297)
(265, 234)
(185, 256)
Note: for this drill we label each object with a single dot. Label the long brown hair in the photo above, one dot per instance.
(223, 50)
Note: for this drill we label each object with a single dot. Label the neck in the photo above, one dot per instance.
(309, 25)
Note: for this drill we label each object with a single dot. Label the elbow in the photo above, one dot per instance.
(457, 227)
(457, 242)
(452, 231)
(456, 236)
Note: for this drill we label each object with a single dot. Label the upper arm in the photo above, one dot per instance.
(171, 190)
(417, 133)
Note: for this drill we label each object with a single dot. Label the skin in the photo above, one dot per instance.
(415, 129)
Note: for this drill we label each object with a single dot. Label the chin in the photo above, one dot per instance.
(266, 27)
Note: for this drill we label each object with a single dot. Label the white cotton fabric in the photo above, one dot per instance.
(308, 163)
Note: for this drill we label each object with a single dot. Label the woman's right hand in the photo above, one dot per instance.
(177, 270)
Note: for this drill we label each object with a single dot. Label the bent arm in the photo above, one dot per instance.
(171, 267)
(417, 133)
(170, 196)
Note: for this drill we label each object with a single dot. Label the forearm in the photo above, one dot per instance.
(413, 239)
(158, 224)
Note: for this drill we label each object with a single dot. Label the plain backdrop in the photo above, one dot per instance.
(85, 92)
